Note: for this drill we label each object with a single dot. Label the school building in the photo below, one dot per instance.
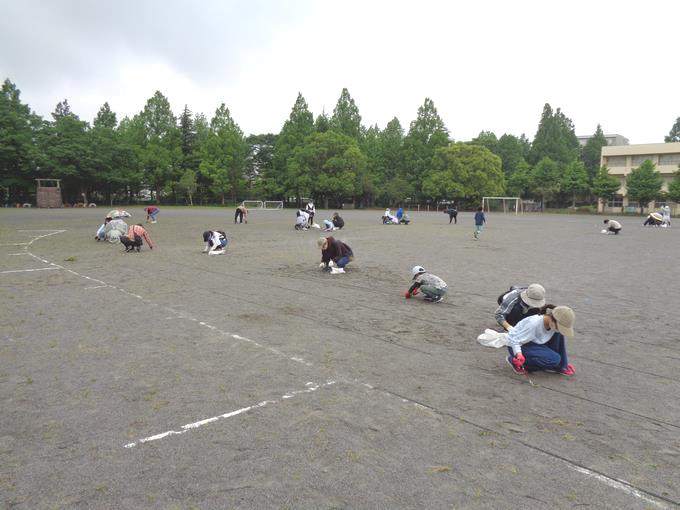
(622, 159)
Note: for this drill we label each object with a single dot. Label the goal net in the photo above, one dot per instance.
(253, 204)
(502, 204)
(264, 205)
(273, 204)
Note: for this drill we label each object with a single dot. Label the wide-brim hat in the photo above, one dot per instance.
(533, 295)
(564, 317)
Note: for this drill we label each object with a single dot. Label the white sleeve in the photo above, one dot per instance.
(519, 335)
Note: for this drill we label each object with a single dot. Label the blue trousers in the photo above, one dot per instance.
(551, 355)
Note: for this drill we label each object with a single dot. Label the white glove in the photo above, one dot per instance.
(323, 264)
(331, 264)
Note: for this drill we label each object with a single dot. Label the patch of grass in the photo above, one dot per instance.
(70, 259)
(440, 469)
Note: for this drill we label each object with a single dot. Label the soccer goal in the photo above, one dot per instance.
(502, 204)
(253, 204)
(273, 204)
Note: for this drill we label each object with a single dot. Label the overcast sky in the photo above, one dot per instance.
(487, 65)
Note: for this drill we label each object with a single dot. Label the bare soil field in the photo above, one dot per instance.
(173, 379)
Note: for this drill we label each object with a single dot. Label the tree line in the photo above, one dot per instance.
(334, 158)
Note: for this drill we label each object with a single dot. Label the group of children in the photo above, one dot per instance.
(536, 331)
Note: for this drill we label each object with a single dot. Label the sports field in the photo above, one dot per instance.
(173, 379)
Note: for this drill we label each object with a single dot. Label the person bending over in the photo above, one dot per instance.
(338, 222)
(335, 254)
(139, 230)
(538, 343)
(241, 214)
(215, 242)
(453, 214)
(612, 226)
(519, 303)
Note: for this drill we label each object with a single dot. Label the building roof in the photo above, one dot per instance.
(641, 148)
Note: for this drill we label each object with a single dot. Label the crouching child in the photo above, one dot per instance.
(434, 288)
(215, 242)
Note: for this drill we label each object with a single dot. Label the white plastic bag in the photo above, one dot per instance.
(491, 338)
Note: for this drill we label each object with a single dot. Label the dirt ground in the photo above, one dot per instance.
(173, 379)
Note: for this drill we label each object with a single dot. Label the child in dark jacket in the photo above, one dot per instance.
(480, 220)
(335, 255)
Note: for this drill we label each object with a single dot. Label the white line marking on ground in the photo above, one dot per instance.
(189, 426)
(608, 481)
(96, 287)
(14, 244)
(29, 270)
(14, 254)
(616, 484)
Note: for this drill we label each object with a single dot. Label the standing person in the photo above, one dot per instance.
(139, 230)
(612, 227)
(519, 303)
(666, 216)
(311, 210)
(151, 213)
(537, 342)
(338, 222)
(432, 286)
(241, 214)
(335, 255)
(453, 214)
(480, 220)
(400, 213)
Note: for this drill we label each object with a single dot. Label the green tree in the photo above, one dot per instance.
(519, 182)
(464, 171)
(592, 151)
(328, 165)
(322, 123)
(574, 180)
(545, 179)
(605, 186)
(427, 133)
(486, 139)
(65, 152)
(346, 119)
(513, 151)
(300, 125)
(674, 187)
(160, 150)
(188, 184)
(643, 184)
(111, 158)
(187, 135)
(17, 148)
(223, 155)
(674, 133)
(260, 165)
(555, 138)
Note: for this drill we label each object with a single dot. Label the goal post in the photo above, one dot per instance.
(503, 204)
(253, 204)
(272, 205)
(263, 205)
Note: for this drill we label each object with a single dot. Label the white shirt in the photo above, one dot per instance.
(303, 218)
(614, 224)
(528, 330)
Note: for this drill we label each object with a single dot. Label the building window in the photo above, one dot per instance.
(638, 160)
(616, 201)
(614, 161)
(669, 159)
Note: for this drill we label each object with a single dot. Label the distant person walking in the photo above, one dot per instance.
(480, 220)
